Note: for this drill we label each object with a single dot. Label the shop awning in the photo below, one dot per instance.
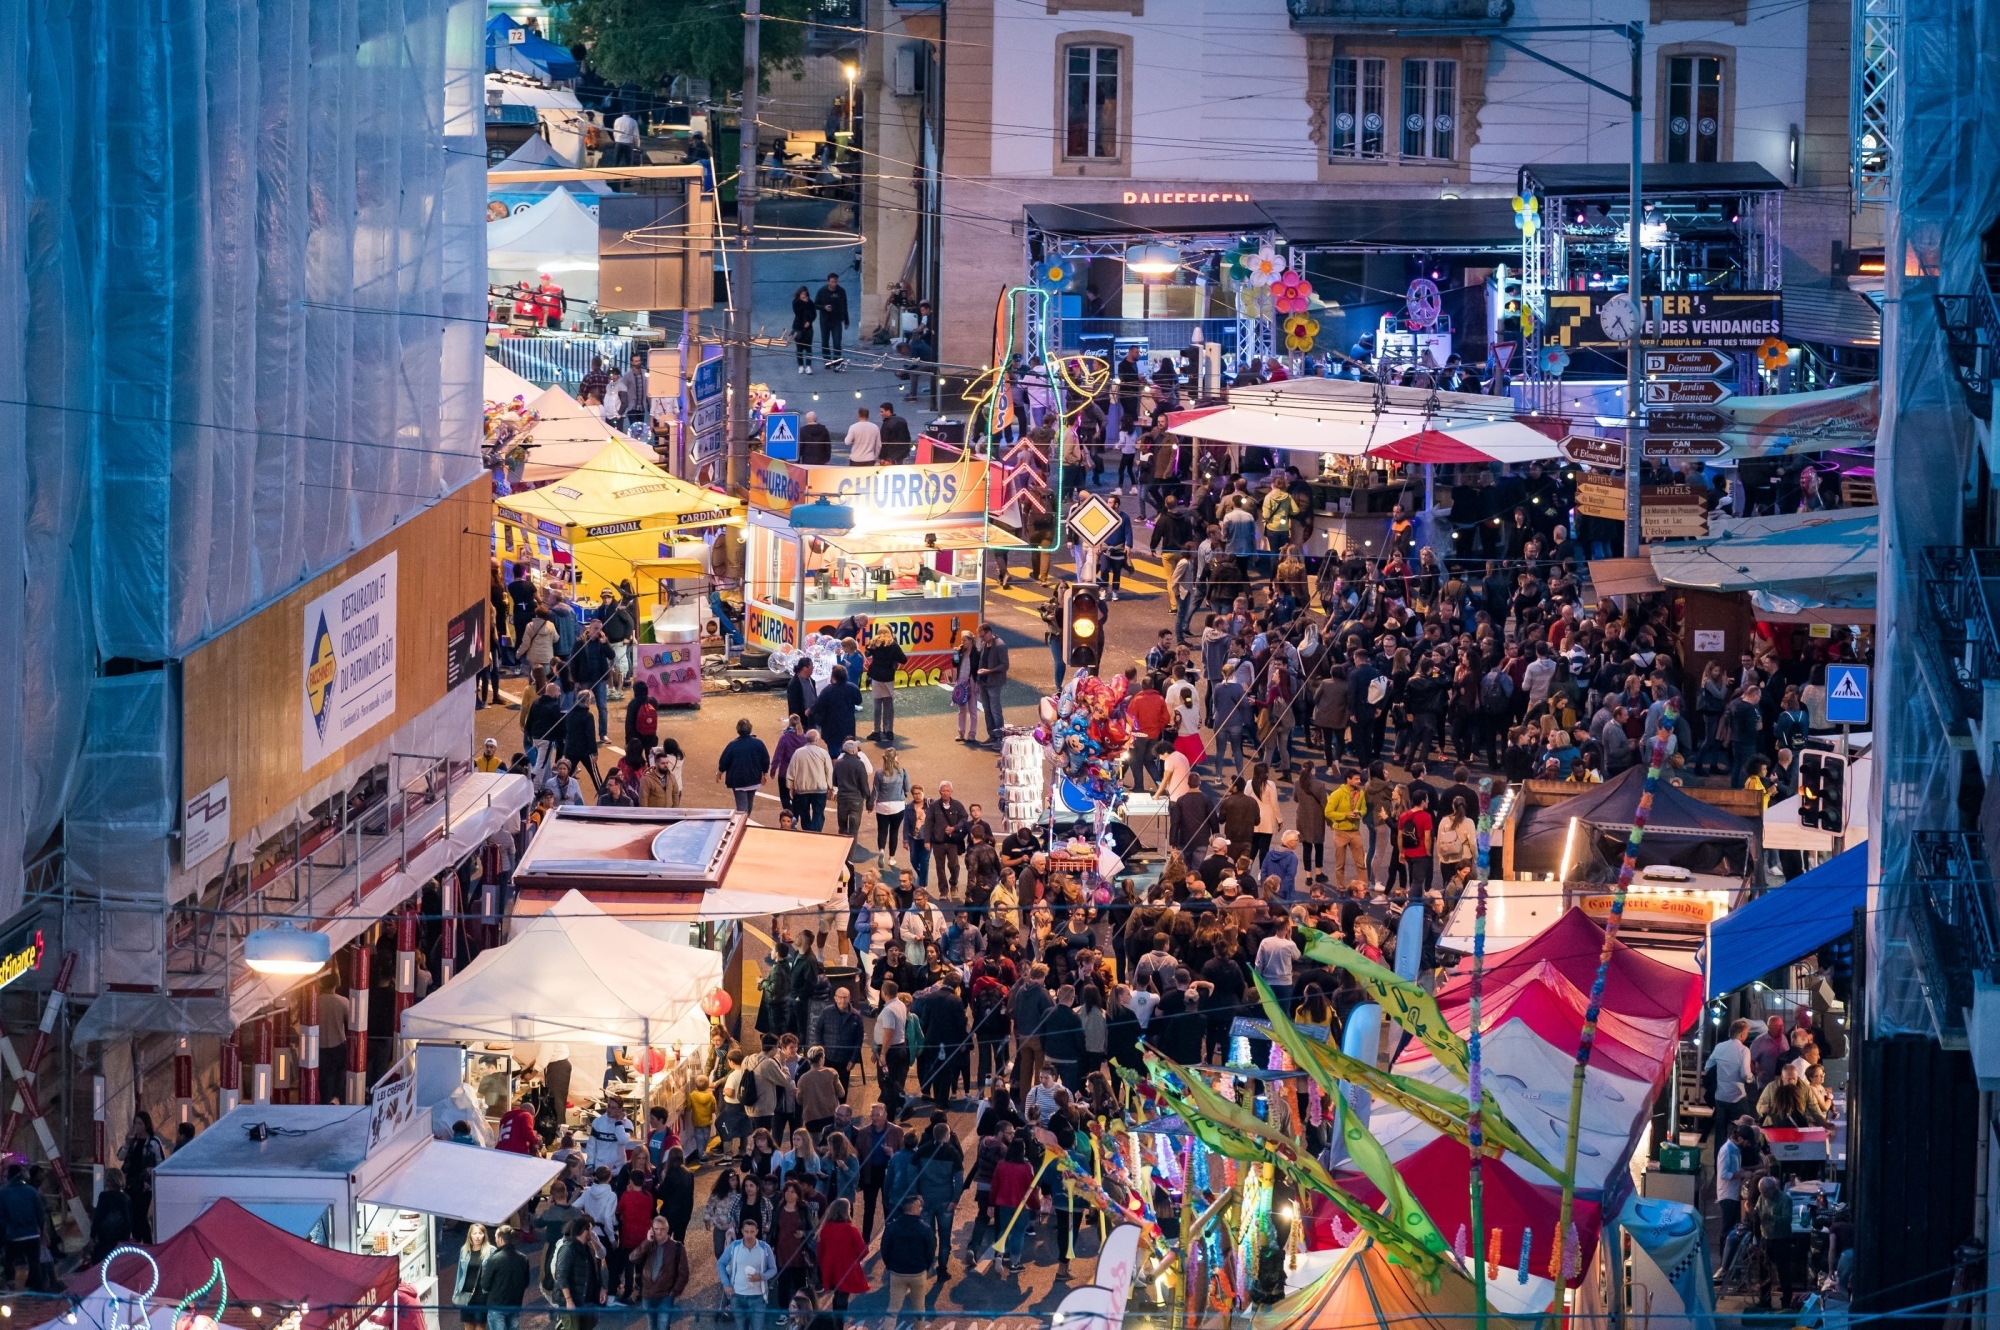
(555, 236)
(1349, 418)
(1782, 925)
(1831, 315)
(1397, 224)
(462, 1182)
(1149, 218)
(614, 493)
(1661, 178)
(1790, 564)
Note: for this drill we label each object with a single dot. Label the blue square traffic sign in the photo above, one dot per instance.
(781, 435)
(1847, 694)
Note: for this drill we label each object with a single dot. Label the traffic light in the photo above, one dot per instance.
(1083, 627)
(1823, 791)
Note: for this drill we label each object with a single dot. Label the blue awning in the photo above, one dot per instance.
(531, 54)
(1782, 925)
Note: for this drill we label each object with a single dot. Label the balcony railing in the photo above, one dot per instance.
(1971, 325)
(1309, 15)
(1962, 648)
(1957, 941)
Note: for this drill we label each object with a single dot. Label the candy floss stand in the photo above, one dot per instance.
(670, 664)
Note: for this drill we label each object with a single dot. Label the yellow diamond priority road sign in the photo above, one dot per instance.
(1093, 521)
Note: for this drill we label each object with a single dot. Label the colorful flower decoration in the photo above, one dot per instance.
(1527, 214)
(1773, 354)
(1554, 360)
(1053, 274)
(1292, 292)
(1300, 330)
(1262, 268)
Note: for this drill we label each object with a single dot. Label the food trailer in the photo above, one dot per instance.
(913, 559)
(370, 1179)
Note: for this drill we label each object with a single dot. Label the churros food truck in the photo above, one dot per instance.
(902, 545)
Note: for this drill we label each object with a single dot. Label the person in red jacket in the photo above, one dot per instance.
(841, 1249)
(1013, 1182)
(635, 1221)
(517, 1131)
(1148, 710)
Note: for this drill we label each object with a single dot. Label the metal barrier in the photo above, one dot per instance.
(561, 361)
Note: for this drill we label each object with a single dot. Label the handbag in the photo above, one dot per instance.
(961, 691)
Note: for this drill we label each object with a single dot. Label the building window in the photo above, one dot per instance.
(1694, 108)
(1430, 108)
(1090, 117)
(1358, 116)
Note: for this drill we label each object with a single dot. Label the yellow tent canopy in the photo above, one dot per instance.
(616, 492)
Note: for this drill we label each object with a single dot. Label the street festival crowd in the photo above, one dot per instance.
(1320, 730)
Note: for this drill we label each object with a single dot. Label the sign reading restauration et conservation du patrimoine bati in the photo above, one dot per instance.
(349, 664)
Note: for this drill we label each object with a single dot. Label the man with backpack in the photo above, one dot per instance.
(1367, 700)
(1496, 708)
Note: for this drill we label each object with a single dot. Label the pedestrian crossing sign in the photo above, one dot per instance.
(1847, 694)
(781, 435)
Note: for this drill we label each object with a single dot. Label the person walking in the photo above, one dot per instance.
(993, 665)
(864, 440)
(890, 797)
(504, 1276)
(842, 1250)
(886, 659)
(743, 766)
(465, 1285)
(660, 1265)
(578, 1273)
(833, 713)
(853, 784)
(747, 1268)
(810, 775)
(804, 315)
(831, 303)
(909, 1251)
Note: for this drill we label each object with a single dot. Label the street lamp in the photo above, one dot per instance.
(287, 950)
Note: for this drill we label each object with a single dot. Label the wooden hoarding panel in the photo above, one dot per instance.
(244, 692)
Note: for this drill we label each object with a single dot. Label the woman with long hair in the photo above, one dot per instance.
(965, 697)
(725, 1204)
(892, 798)
(465, 1288)
(841, 1252)
(915, 813)
(1265, 791)
(1096, 1031)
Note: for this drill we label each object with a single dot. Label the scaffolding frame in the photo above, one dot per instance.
(1875, 99)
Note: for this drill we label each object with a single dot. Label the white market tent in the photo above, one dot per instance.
(574, 975)
(504, 385)
(567, 436)
(1349, 418)
(538, 154)
(557, 236)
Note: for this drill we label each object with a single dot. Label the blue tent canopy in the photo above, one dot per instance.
(1782, 925)
(532, 54)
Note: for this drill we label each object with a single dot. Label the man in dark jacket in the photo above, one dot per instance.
(993, 665)
(801, 692)
(1062, 1039)
(944, 830)
(1191, 821)
(579, 1277)
(896, 439)
(743, 765)
(1029, 1005)
(1122, 1030)
(591, 666)
(909, 1250)
(579, 742)
(838, 1030)
(544, 728)
(1364, 712)
(940, 1180)
(940, 1010)
(815, 441)
(831, 301)
(503, 1280)
(833, 713)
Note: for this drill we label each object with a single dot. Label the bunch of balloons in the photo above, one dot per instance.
(1088, 730)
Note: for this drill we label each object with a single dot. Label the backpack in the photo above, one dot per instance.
(1409, 837)
(913, 1033)
(732, 1087)
(1725, 731)
(1494, 691)
(985, 1002)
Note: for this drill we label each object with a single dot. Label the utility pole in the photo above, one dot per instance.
(1635, 429)
(743, 273)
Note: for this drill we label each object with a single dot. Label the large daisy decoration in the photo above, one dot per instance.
(1262, 268)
